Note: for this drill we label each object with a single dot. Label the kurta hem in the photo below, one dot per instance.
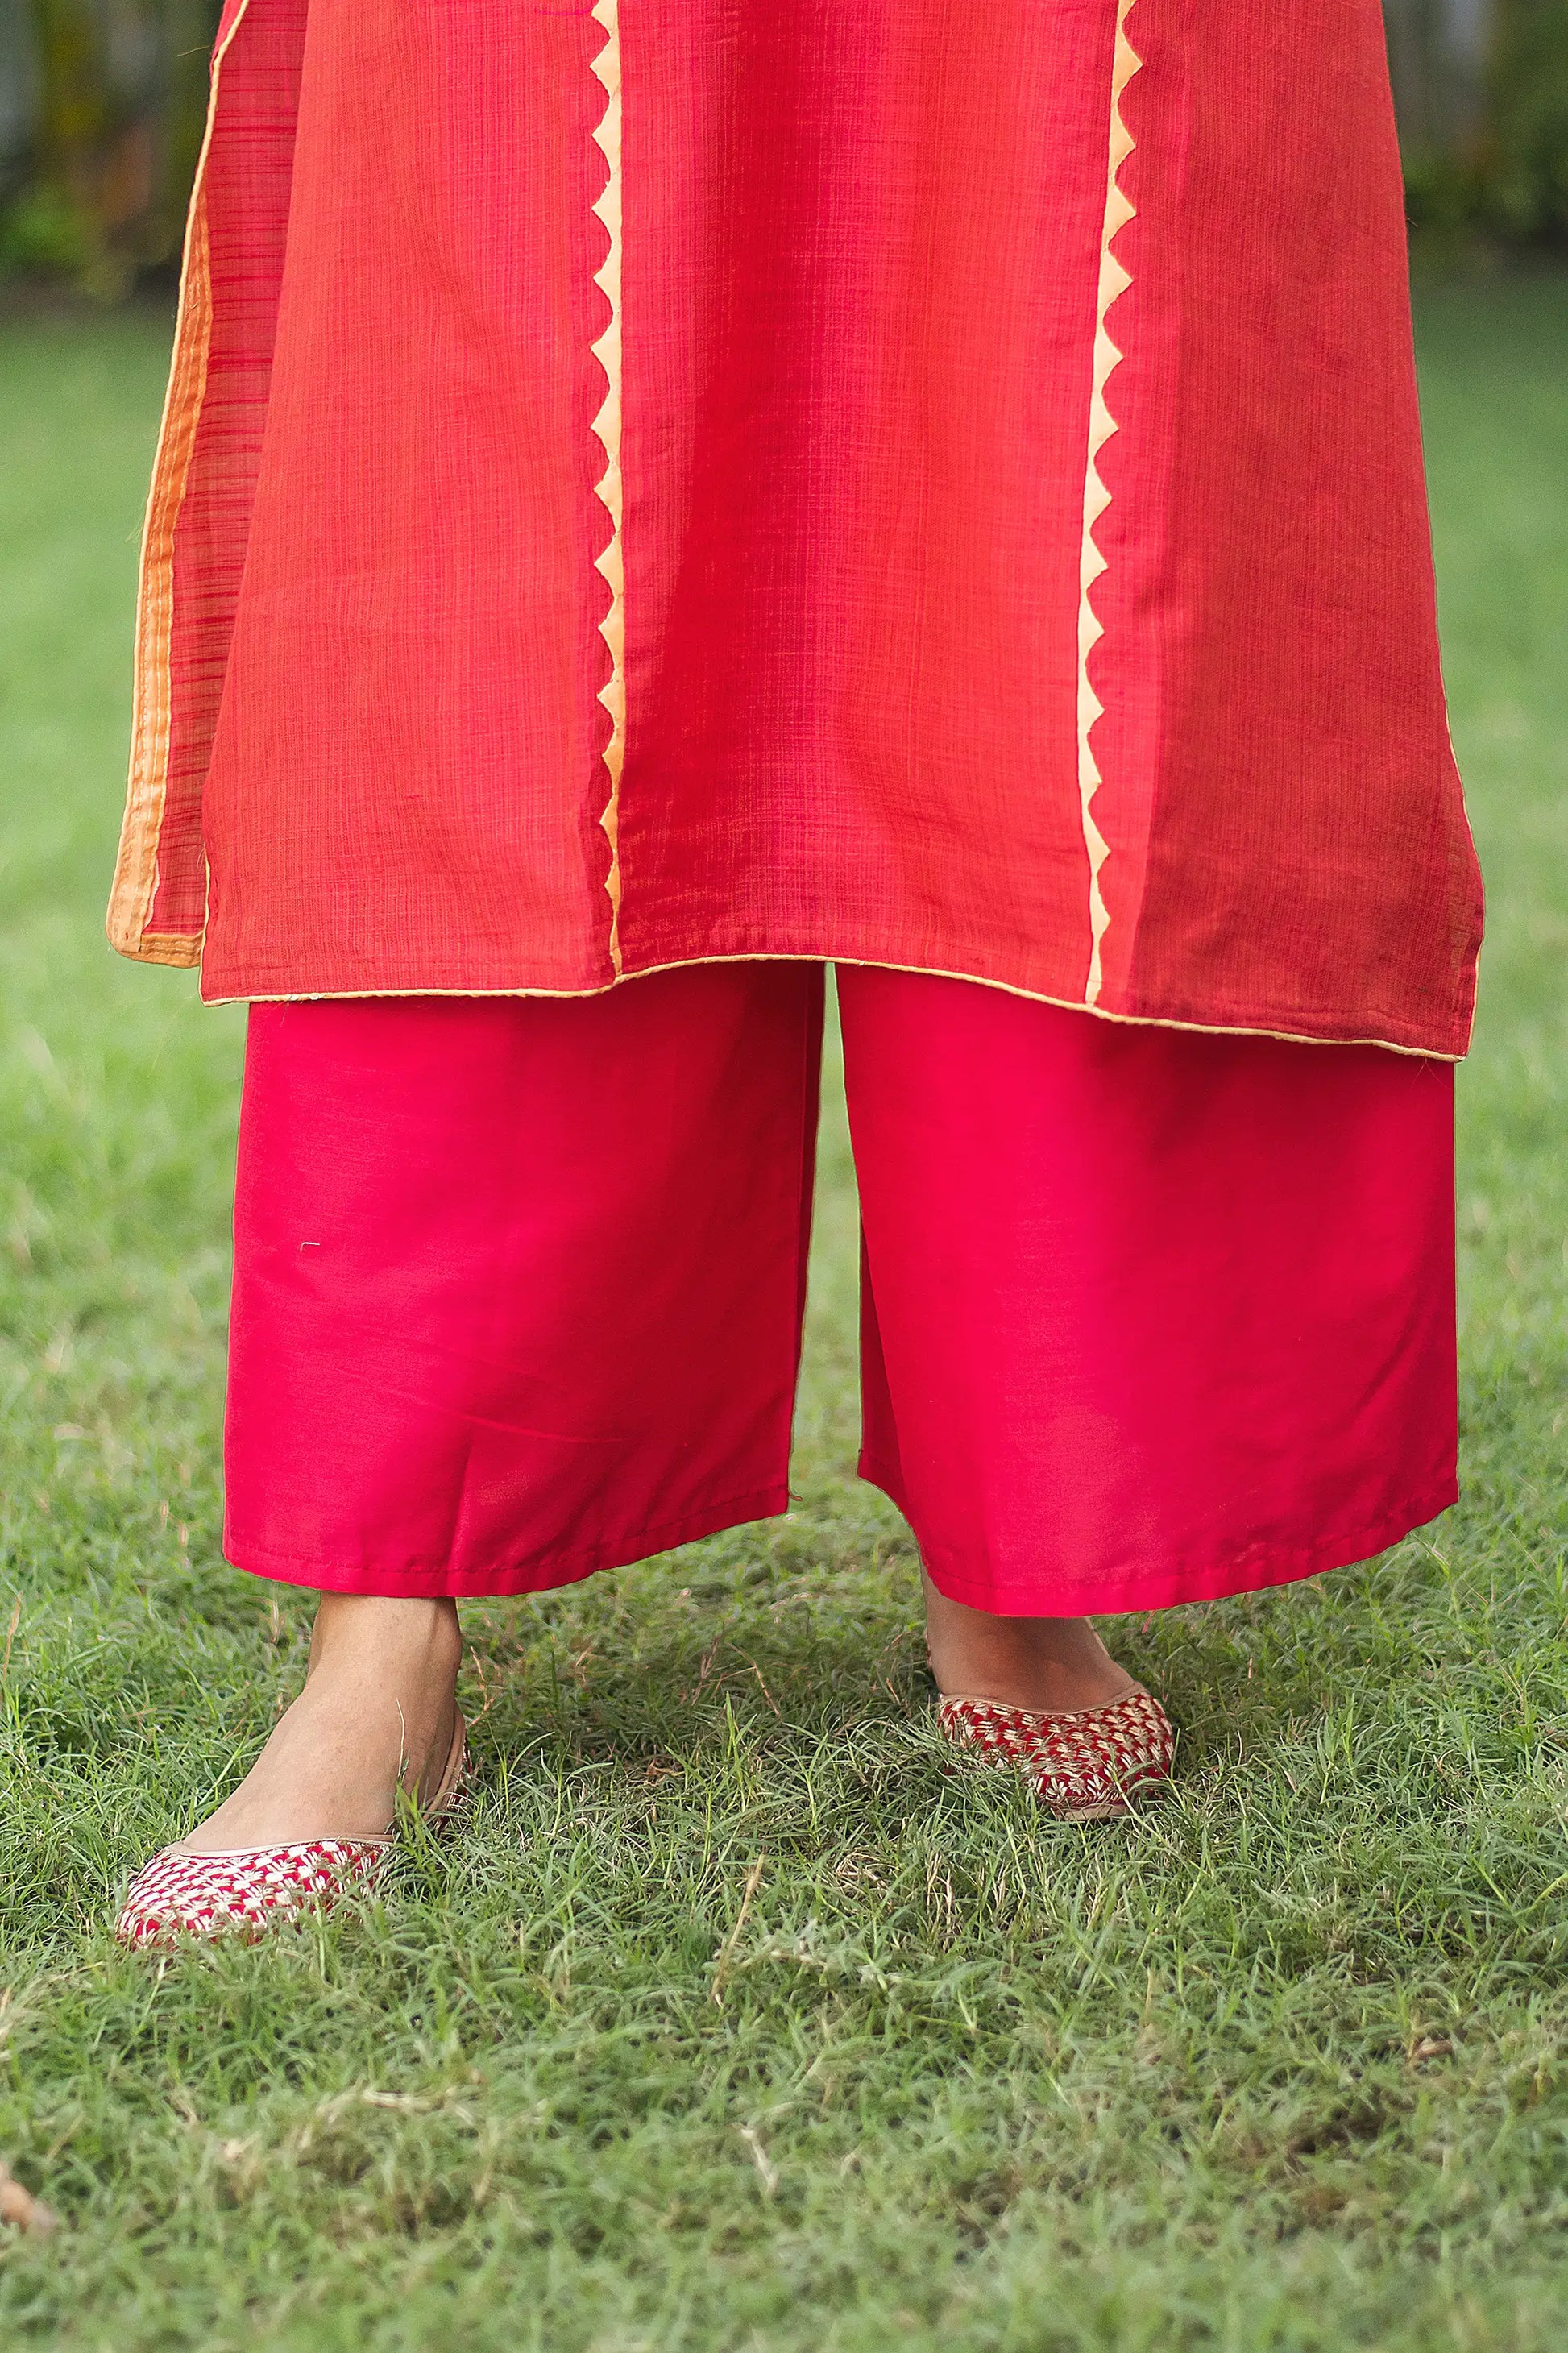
(1394, 1036)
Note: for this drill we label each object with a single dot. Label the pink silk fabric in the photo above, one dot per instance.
(681, 480)
(1146, 1318)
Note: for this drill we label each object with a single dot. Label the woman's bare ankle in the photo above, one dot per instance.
(377, 1712)
(1052, 1664)
(384, 1631)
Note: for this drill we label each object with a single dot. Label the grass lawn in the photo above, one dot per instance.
(1282, 2065)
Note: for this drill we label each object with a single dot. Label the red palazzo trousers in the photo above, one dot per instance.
(1148, 1315)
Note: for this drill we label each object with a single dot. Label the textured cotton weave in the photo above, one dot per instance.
(672, 480)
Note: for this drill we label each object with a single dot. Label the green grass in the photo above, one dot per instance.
(1282, 2065)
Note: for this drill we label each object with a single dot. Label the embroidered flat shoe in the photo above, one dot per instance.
(245, 1890)
(1084, 1764)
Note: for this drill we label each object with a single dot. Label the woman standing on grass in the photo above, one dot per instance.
(659, 496)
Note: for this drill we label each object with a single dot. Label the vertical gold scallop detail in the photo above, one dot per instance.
(606, 350)
(1114, 281)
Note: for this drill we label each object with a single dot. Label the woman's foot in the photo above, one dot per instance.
(1056, 1664)
(378, 1711)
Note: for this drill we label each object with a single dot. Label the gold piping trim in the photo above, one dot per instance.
(1114, 281)
(868, 964)
(607, 427)
(135, 885)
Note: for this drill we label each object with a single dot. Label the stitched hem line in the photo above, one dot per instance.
(428, 1581)
(224, 993)
(1255, 1570)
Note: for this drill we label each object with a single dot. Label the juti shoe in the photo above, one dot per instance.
(1084, 1763)
(247, 1891)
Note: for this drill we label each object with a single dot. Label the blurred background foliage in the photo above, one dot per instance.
(1481, 87)
(102, 102)
(102, 106)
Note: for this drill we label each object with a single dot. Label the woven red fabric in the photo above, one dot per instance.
(243, 1893)
(660, 480)
(1082, 1765)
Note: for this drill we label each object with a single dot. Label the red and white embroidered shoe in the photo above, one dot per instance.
(248, 1890)
(1084, 1764)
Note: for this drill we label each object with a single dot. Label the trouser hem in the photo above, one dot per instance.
(1253, 1570)
(420, 1580)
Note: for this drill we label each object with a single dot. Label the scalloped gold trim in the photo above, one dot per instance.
(1114, 281)
(135, 885)
(607, 427)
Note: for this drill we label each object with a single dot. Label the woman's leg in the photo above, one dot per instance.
(378, 1708)
(517, 1297)
(1150, 1316)
(1056, 1664)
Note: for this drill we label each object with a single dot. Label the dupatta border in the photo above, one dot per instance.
(136, 874)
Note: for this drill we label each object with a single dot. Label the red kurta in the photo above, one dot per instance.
(687, 479)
